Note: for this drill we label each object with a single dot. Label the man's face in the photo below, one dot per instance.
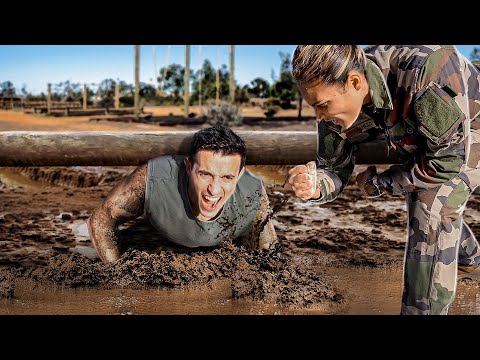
(213, 178)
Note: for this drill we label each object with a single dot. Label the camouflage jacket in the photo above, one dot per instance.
(425, 99)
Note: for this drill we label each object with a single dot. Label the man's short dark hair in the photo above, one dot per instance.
(219, 139)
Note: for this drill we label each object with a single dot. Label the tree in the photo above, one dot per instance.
(208, 82)
(7, 89)
(475, 55)
(106, 93)
(285, 88)
(259, 87)
(174, 79)
(24, 91)
(126, 93)
(241, 94)
(67, 91)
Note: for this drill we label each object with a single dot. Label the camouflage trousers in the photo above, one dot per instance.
(438, 240)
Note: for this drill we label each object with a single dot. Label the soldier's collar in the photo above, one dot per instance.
(379, 92)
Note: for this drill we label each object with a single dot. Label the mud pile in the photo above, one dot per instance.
(7, 282)
(267, 276)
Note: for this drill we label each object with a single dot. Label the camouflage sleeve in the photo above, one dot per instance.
(440, 110)
(335, 163)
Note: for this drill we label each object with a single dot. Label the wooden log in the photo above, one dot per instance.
(25, 148)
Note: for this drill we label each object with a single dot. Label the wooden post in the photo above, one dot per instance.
(117, 96)
(154, 50)
(137, 81)
(101, 148)
(232, 71)
(217, 82)
(49, 98)
(200, 76)
(187, 79)
(85, 96)
(300, 100)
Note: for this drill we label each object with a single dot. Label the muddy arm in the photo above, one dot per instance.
(262, 235)
(124, 202)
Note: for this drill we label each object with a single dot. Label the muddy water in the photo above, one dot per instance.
(367, 292)
(12, 178)
(214, 300)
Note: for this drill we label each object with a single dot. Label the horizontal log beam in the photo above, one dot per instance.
(99, 148)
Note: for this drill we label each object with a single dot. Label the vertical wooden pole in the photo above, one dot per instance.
(187, 78)
(200, 76)
(217, 83)
(137, 81)
(232, 73)
(154, 49)
(300, 100)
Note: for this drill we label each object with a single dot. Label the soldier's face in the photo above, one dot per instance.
(338, 104)
(213, 179)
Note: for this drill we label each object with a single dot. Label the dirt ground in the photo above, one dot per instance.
(344, 257)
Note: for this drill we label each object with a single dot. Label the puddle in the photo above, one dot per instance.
(45, 300)
(368, 292)
(11, 178)
(80, 231)
(379, 292)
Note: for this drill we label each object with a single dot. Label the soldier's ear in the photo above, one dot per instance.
(355, 79)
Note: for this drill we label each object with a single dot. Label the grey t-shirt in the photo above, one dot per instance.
(168, 208)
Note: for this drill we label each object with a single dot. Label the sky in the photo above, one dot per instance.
(37, 65)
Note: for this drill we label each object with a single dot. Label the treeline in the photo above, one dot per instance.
(282, 91)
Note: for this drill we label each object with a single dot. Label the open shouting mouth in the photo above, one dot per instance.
(209, 203)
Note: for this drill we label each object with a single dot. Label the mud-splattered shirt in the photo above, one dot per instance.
(169, 210)
(425, 102)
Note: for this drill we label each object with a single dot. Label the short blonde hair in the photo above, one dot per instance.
(329, 64)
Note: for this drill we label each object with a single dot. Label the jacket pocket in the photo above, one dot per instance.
(437, 113)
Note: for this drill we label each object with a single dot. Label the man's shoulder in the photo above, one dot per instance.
(167, 159)
(249, 182)
(166, 166)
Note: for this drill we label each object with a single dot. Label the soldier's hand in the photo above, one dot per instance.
(303, 179)
(367, 182)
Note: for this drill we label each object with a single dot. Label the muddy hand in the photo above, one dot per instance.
(303, 179)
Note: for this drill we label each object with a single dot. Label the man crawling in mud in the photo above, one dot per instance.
(198, 200)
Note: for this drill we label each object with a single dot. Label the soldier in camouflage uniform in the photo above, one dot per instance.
(424, 101)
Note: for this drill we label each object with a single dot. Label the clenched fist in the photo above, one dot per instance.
(303, 179)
